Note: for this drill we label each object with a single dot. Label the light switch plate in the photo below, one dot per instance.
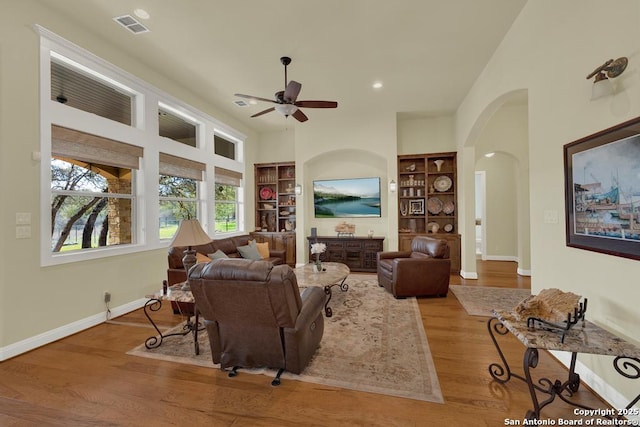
(23, 232)
(23, 218)
(550, 217)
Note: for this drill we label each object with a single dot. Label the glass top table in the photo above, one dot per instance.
(332, 274)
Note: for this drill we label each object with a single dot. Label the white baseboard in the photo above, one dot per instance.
(612, 396)
(48, 337)
(468, 275)
(500, 258)
(522, 272)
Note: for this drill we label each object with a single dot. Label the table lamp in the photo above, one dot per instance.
(189, 234)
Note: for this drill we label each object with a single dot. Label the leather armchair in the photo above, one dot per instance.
(423, 271)
(255, 315)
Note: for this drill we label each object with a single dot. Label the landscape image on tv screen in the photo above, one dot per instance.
(344, 198)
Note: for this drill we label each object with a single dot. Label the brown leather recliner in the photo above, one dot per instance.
(255, 315)
(423, 271)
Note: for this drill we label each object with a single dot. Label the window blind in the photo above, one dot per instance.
(89, 148)
(178, 166)
(227, 177)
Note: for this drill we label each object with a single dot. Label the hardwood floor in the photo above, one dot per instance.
(88, 380)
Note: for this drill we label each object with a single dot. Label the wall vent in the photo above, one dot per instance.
(131, 24)
(241, 103)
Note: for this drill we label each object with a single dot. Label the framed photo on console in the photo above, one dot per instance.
(602, 191)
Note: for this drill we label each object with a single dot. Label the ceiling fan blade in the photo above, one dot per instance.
(300, 116)
(317, 104)
(291, 91)
(257, 98)
(268, 110)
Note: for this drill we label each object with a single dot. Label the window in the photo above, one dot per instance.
(101, 192)
(178, 192)
(224, 147)
(227, 200)
(78, 87)
(91, 191)
(171, 125)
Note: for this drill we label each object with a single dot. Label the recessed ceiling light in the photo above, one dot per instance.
(490, 154)
(377, 85)
(142, 14)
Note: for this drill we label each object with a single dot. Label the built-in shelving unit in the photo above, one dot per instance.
(276, 206)
(275, 196)
(427, 197)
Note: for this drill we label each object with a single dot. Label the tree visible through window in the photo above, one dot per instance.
(91, 205)
(178, 200)
(226, 208)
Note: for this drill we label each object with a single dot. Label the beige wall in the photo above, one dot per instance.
(269, 147)
(549, 50)
(426, 134)
(347, 147)
(38, 303)
(501, 232)
(507, 192)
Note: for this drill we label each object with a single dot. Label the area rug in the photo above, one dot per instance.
(372, 343)
(480, 300)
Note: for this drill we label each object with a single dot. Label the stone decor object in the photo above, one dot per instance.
(552, 305)
(345, 228)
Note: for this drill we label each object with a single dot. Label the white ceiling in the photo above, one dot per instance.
(427, 53)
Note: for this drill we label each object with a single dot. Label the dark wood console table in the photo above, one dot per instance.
(357, 253)
(587, 338)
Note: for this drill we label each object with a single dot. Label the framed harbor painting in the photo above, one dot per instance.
(602, 191)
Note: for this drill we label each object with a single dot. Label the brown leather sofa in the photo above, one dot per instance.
(423, 271)
(228, 245)
(255, 315)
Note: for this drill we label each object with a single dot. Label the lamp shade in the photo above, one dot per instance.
(190, 233)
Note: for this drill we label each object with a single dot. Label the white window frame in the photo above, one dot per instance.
(143, 133)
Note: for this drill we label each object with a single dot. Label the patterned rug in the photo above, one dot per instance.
(480, 300)
(373, 343)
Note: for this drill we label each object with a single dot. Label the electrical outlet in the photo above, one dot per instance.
(107, 297)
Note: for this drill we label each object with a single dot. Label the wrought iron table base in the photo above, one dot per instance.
(155, 341)
(626, 366)
(327, 290)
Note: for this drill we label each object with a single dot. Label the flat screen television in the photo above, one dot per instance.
(346, 198)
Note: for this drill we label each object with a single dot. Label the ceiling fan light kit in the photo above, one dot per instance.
(286, 100)
(286, 109)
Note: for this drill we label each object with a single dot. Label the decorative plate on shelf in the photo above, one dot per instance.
(433, 227)
(448, 228)
(442, 183)
(434, 205)
(266, 193)
(448, 207)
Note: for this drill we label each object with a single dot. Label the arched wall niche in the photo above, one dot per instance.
(338, 164)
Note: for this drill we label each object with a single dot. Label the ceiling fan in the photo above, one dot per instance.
(286, 100)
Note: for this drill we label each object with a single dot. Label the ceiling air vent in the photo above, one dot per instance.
(131, 24)
(241, 103)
